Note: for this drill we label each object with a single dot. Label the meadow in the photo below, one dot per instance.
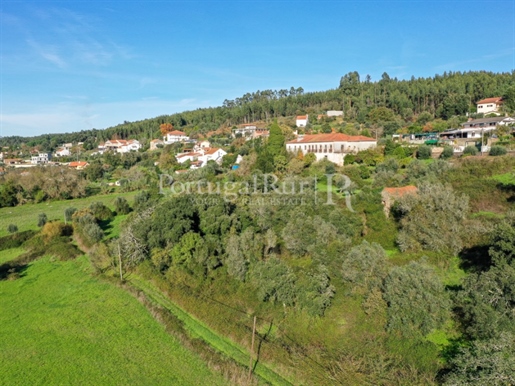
(26, 216)
(61, 325)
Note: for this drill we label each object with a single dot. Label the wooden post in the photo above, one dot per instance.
(252, 348)
(120, 261)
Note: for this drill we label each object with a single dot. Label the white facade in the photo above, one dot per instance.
(62, 152)
(333, 147)
(202, 157)
(489, 105)
(119, 146)
(302, 120)
(40, 159)
(334, 113)
(175, 136)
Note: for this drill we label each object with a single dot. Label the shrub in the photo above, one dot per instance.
(92, 233)
(497, 150)
(68, 213)
(100, 211)
(432, 219)
(12, 228)
(470, 150)
(424, 152)
(416, 298)
(121, 205)
(42, 219)
(448, 152)
(55, 229)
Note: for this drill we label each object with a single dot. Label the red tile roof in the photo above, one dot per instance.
(211, 150)
(77, 164)
(399, 192)
(302, 117)
(490, 100)
(177, 132)
(332, 137)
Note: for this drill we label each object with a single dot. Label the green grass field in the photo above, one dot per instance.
(60, 325)
(26, 216)
(10, 254)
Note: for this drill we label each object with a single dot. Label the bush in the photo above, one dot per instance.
(497, 150)
(68, 213)
(100, 211)
(448, 152)
(12, 228)
(470, 150)
(42, 219)
(121, 205)
(424, 152)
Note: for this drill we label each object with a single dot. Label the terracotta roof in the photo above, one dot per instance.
(77, 164)
(331, 137)
(188, 155)
(490, 100)
(211, 150)
(399, 192)
(302, 117)
(156, 141)
(176, 132)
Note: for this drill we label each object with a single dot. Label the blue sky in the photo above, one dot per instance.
(74, 65)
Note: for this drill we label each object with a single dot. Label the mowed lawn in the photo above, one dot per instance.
(26, 216)
(62, 326)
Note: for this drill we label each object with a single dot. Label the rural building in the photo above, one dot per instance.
(333, 147)
(79, 165)
(390, 195)
(155, 144)
(334, 113)
(119, 146)
(201, 157)
(175, 136)
(489, 105)
(302, 120)
(40, 159)
(249, 132)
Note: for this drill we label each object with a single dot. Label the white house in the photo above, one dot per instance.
(201, 157)
(120, 146)
(489, 105)
(40, 159)
(475, 128)
(175, 136)
(334, 113)
(246, 130)
(62, 152)
(302, 120)
(333, 147)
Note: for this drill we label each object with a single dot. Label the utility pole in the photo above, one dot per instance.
(252, 348)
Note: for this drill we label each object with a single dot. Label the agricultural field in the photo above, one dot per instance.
(26, 216)
(60, 325)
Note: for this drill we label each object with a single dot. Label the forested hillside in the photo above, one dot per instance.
(388, 102)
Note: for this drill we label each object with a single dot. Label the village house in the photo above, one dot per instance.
(13, 161)
(489, 105)
(334, 113)
(119, 146)
(78, 165)
(40, 159)
(64, 150)
(302, 120)
(201, 157)
(175, 136)
(155, 144)
(333, 147)
(249, 132)
(390, 195)
(473, 131)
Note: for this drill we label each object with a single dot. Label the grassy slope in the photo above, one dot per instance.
(60, 325)
(199, 329)
(10, 254)
(26, 216)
